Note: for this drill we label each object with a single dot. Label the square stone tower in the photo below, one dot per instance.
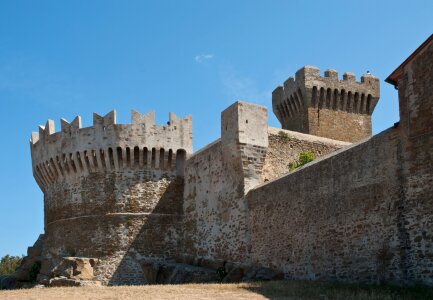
(326, 106)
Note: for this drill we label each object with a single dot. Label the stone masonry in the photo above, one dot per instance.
(132, 204)
(326, 106)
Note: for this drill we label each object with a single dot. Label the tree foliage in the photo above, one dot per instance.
(9, 263)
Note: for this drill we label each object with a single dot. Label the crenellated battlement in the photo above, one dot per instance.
(106, 146)
(307, 92)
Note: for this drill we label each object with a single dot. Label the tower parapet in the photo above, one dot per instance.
(326, 106)
(108, 147)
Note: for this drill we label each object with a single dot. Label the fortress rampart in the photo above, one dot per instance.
(326, 106)
(363, 214)
(137, 202)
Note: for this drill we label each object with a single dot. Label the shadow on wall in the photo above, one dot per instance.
(156, 237)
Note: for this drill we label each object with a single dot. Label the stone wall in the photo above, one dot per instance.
(363, 214)
(216, 180)
(214, 208)
(285, 146)
(416, 125)
(334, 218)
(119, 218)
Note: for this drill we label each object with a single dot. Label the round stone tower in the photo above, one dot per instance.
(112, 192)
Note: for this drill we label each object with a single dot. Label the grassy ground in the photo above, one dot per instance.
(266, 290)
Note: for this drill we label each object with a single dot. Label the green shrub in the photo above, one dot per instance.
(34, 271)
(283, 136)
(8, 264)
(304, 158)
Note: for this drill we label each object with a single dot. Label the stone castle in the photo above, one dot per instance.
(133, 204)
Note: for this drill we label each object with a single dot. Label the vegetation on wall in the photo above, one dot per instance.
(304, 158)
(9, 263)
(284, 137)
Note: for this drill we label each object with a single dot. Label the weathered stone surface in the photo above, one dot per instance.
(285, 146)
(135, 198)
(76, 268)
(326, 106)
(71, 282)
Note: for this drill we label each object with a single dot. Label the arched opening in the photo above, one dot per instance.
(161, 158)
(49, 171)
(95, 160)
(335, 100)
(301, 99)
(74, 167)
(152, 163)
(180, 162)
(53, 166)
(111, 157)
(280, 114)
(128, 157)
(170, 159)
(87, 161)
(145, 157)
(328, 98)
(314, 96)
(343, 100)
(102, 155)
(119, 157)
(41, 172)
(136, 156)
(356, 103)
(60, 166)
(65, 163)
(298, 101)
(368, 103)
(80, 163)
(41, 176)
(322, 98)
(362, 106)
(288, 108)
(349, 102)
(294, 104)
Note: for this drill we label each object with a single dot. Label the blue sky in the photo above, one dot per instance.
(64, 58)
